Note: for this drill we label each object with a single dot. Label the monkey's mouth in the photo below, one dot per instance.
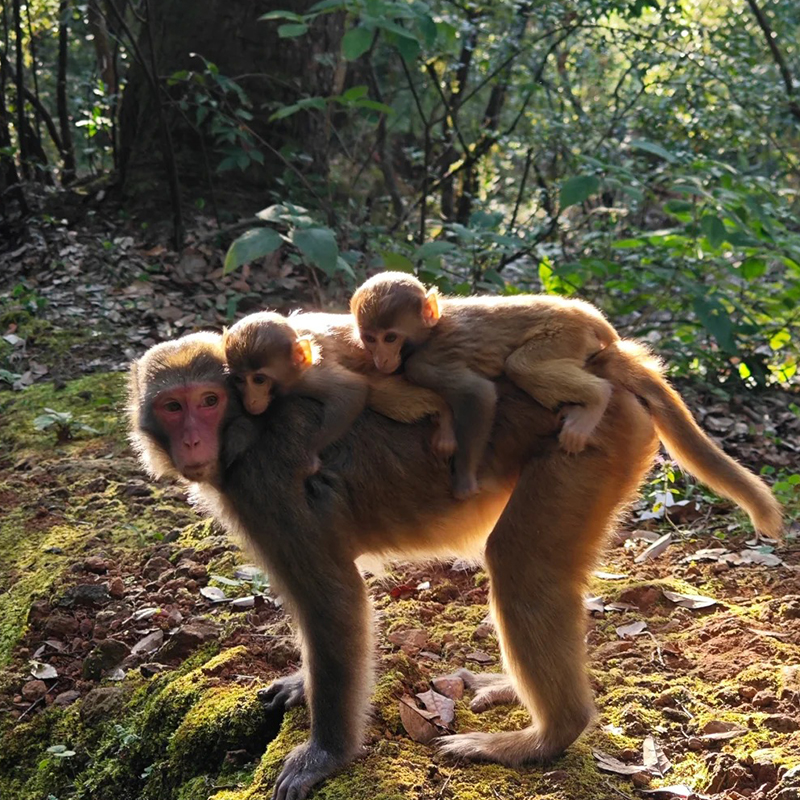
(196, 472)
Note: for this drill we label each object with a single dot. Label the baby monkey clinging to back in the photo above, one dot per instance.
(266, 354)
(458, 346)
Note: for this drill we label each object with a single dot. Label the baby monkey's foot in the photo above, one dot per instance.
(579, 424)
(465, 486)
(443, 441)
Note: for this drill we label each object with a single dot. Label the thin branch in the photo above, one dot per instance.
(777, 56)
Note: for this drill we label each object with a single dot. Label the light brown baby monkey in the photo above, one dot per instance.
(266, 354)
(458, 346)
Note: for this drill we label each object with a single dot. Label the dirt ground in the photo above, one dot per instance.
(134, 635)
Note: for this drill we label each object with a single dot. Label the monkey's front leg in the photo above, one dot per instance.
(330, 603)
(284, 693)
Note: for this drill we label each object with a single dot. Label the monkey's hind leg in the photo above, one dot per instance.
(542, 639)
(562, 381)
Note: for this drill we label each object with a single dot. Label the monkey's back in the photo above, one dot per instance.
(483, 331)
(336, 336)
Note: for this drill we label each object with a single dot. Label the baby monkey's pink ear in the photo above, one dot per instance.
(430, 310)
(304, 353)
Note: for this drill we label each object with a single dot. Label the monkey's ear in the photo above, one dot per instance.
(304, 354)
(225, 334)
(430, 311)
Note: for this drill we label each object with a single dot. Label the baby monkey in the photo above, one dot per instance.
(458, 346)
(265, 355)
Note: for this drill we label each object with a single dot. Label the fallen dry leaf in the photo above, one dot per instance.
(438, 704)
(655, 549)
(149, 644)
(44, 672)
(417, 722)
(654, 757)
(610, 764)
(693, 601)
(631, 629)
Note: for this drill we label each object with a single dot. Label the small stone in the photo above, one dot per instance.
(152, 668)
(116, 588)
(106, 655)
(557, 776)
(640, 780)
(85, 627)
(747, 692)
(65, 699)
(85, 594)
(781, 723)
(450, 686)
(155, 567)
(188, 638)
(643, 597)
(409, 641)
(100, 704)
(60, 626)
(97, 564)
(38, 611)
(764, 698)
(694, 743)
(482, 632)
(34, 690)
(663, 700)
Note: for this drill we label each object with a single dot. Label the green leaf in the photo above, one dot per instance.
(753, 268)
(714, 230)
(282, 15)
(628, 244)
(302, 105)
(374, 105)
(428, 29)
(327, 5)
(396, 261)
(653, 149)
(319, 245)
(251, 245)
(576, 190)
(355, 93)
(431, 250)
(716, 320)
(291, 30)
(356, 42)
(677, 207)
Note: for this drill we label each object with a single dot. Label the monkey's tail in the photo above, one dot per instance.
(633, 366)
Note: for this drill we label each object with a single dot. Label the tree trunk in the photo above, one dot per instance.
(269, 69)
(68, 152)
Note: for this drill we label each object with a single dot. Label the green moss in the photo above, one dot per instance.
(95, 400)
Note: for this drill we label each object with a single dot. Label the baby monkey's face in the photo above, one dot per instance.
(255, 387)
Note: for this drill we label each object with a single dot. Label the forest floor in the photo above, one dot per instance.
(134, 635)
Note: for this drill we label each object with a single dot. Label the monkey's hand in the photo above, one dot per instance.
(305, 767)
(284, 693)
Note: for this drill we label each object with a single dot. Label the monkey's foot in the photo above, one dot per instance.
(443, 441)
(579, 424)
(284, 693)
(491, 689)
(511, 748)
(314, 464)
(465, 486)
(305, 767)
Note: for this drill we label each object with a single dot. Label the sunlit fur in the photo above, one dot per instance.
(543, 516)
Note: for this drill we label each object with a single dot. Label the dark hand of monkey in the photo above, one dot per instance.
(284, 693)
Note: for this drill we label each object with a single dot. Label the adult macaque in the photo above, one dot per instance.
(316, 355)
(458, 346)
(382, 491)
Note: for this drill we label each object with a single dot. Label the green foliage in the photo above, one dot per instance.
(316, 242)
(63, 423)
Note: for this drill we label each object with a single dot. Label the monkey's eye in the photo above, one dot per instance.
(259, 380)
(390, 337)
(238, 380)
(210, 400)
(172, 406)
(368, 338)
